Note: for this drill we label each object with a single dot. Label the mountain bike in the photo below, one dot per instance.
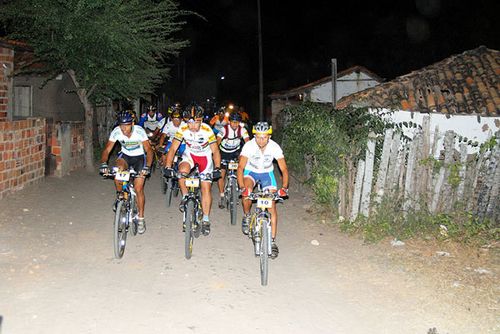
(126, 209)
(260, 228)
(171, 185)
(231, 193)
(193, 213)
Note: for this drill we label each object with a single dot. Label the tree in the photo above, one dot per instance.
(110, 48)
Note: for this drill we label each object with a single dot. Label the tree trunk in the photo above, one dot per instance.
(84, 94)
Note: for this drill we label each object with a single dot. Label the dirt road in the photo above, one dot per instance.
(58, 274)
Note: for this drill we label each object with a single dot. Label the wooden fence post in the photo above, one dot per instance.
(409, 187)
(383, 168)
(442, 186)
(393, 171)
(368, 177)
(462, 172)
(357, 190)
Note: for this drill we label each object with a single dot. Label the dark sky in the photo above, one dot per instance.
(390, 38)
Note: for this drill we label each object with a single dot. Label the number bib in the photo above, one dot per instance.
(233, 165)
(122, 176)
(264, 203)
(195, 183)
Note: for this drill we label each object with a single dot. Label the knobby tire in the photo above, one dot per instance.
(120, 229)
(190, 219)
(264, 252)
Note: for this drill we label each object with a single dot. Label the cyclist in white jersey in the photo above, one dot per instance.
(168, 132)
(201, 148)
(256, 164)
(230, 140)
(135, 152)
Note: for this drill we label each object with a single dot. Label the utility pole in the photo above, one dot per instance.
(261, 75)
(334, 82)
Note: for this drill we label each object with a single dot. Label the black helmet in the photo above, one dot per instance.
(193, 111)
(235, 116)
(125, 117)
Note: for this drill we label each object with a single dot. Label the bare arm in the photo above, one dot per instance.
(107, 151)
(241, 167)
(215, 154)
(149, 152)
(162, 139)
(171, 152)
(284, 172)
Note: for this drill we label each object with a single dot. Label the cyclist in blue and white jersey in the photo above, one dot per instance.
(135, 152)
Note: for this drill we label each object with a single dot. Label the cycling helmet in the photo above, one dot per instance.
(262, 127)
(151, 108)
(175, 114)
(193, 112)
(125, 117)
(235, 117)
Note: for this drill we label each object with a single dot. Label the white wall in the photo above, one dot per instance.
(355, 82)
(464, 125)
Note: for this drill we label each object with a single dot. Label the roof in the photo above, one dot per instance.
(15, 45)
(465, 83)
(311, 85)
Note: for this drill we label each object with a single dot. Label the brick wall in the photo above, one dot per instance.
(6, 65)
(67, 147)
(22, 153)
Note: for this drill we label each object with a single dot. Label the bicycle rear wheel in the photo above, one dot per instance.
(233, 202)
(120, 229)
(264, 252)
(189, 221)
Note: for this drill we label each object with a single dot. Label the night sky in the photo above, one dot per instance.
(390, 38)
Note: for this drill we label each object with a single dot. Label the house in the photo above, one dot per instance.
(41, 132)
(459, 93)
(351, 80)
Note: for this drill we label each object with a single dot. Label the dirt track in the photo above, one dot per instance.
(58, 274)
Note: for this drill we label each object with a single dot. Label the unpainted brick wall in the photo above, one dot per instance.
(22, 153)
(67, 145)
(6, 65)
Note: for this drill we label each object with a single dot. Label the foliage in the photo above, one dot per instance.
(390, 221)
(318, 138)
(116, 48)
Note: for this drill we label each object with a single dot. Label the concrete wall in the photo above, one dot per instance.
(465, 125)
(67, 147)
(346, 85)
(22, 153)
(55, 100)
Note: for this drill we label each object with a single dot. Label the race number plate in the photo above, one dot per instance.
(195, 183)
(122, 176)
(264, 203)
(233, 165)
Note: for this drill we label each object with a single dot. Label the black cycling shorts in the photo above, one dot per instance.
(137, 162)
(229, 156)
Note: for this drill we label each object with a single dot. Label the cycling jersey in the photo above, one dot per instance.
(130, 146)
(258, 161)
(232, 139)
(197, 142)
(150, 122)
(170, 129)
(217, 124)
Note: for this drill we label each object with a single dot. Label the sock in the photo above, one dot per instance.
(206, 218)
(221, 194)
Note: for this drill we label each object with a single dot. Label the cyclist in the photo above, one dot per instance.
(150, 120)
(201, 148)
(135, 152)
(169, 131)
(230, 140)
(256, 164)
(219, 120)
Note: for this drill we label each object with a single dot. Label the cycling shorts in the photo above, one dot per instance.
(204, 162)
(137, 162)
(226, 157)
(267, 179)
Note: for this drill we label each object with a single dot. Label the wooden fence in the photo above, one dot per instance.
(408, 172)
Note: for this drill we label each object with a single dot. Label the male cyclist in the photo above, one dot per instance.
(135, 152)
(256, 164)
(169, 130)
(219, 120)
(230, 140)
(150, 120)
(201, 148)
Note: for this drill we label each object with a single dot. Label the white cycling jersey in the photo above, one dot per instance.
(258, 161)
(130, 146)
(170, 129)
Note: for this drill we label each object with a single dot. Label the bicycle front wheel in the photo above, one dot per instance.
(189, 221)
(264, 252)
(169, 192)
(133, 215)
(233, 202)
(120, 229)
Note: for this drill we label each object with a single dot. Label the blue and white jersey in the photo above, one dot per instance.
(130, 146)
(150, 123)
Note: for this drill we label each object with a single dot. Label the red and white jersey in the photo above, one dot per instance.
(232, 139)
(197, 143)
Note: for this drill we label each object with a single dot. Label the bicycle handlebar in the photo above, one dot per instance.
(114, 170)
